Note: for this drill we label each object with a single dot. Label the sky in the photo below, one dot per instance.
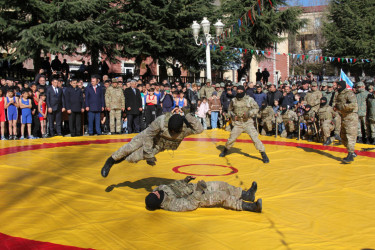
(307, 2)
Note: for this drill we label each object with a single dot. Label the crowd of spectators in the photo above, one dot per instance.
(60, 105)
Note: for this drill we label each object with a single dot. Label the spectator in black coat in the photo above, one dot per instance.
(74, 105)
(273, 95)
(133, 107)
(94, 102)
(259, 76)
(265, 75)
(288, 97)
(55, 105)
(226, 97)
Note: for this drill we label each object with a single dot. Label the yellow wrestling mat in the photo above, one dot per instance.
(51, 191)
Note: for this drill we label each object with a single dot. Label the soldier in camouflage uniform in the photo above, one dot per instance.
(206, 90)
(267, 116)
(371, 115)
(309, 120)
(329, 93)
(332, 103)
(313, 97)
(115, 103)
(362, 96)
(181, 196)
(166, 132)
(289, 118)
(242, 109)
(325, 116)
(346, 105)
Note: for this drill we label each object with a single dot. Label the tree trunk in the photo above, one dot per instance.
(37, 60)
(94, 61)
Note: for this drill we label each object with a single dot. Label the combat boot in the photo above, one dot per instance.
(327, 142)
(224, 153)
(264, 157)
(349, 158)
(290, 136)
(249, 195)
(107, 166)
(252, 207)
(337, 137)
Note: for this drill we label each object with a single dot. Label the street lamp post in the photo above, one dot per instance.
(208, 39)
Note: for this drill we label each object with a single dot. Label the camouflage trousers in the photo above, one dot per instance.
(327, 127)
(362, 122)
(310, 128)
(217, 194)
(348, 134)
(337, 122)
(132, 151)
(267, 125)
(290, 126)
(248, 127)
(115, 114)
(372, 129)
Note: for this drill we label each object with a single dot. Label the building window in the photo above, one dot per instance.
(318, 22)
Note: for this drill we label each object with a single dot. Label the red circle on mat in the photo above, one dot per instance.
(177, 170)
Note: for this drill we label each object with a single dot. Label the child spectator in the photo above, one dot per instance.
(181, 101)
(202, 111)
(25, 106)
(214, 109)
(2, 114)
(11, 104)
(151, 103)
(42, 108)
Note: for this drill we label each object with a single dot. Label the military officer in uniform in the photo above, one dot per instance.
(371, 115)
(242, 109)
(346, 105)
(166, 132)
(325, 116)
(362, 95)
(181, 196)
(313, 97)
(115, 103)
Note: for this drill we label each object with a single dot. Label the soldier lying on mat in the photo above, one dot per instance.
(166, 132)
(183, 196)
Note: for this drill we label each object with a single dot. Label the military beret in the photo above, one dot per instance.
(314, 84)
(330, 85)
(222, 85)
(360, 84)
(324, 84)
(217, 85)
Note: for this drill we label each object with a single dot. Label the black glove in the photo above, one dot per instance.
(189, 178)
(151, 161)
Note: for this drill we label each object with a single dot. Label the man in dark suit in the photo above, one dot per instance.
(133, 106)
(55, 104)
(74, 104)
(94, 104)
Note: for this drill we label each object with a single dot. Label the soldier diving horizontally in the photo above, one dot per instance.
(166, 132)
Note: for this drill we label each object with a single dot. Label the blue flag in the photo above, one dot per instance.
(344, 77)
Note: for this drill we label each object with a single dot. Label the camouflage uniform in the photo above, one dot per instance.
(206, 91)
(181, 196)
(346, 104)
(289, 119)
(156, 138)
(325, 116)
(267, 117)
(309, 118)
(115, 100)
(242, 110)
(337, 119)
(361, 96)
(313, 98)
(371, 115)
